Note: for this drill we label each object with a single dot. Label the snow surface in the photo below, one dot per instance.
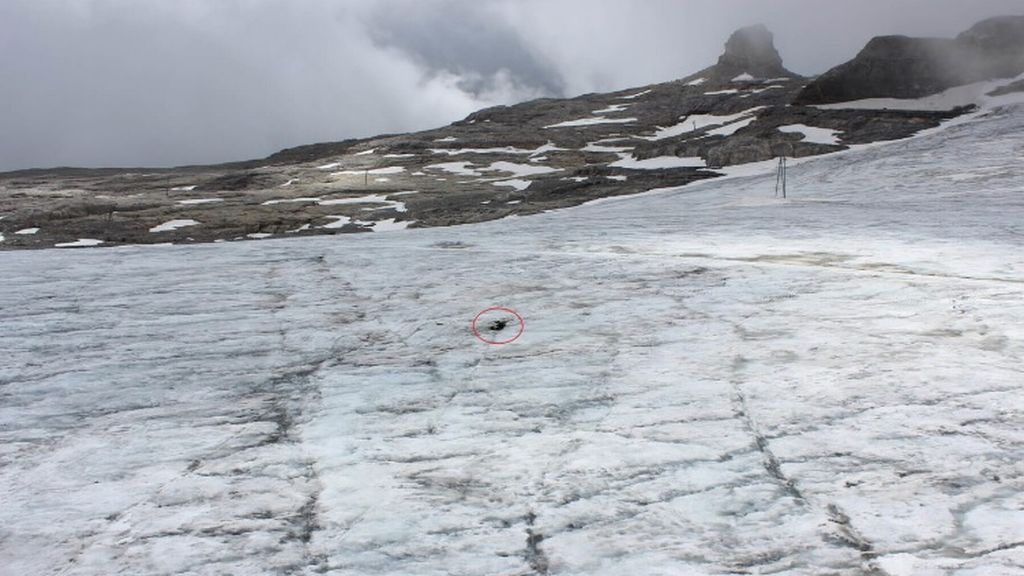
(386, 171)
(27, 231)
(591, 122)
(80, 243)
(303, 200)
(459, 151)
(630, 162)
(710, 381)
(197, 201)
(730, 129)
(813, 134)
(612, 109)
(339, 222)
(172, 225)
(697, 82)
(370, 199)
(518, 184)
(745, 77)
(183, 188)
(696, 122)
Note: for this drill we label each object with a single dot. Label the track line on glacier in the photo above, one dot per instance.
(845, 535)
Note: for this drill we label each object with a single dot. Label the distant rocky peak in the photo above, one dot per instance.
(752, 51)
(1003, 33)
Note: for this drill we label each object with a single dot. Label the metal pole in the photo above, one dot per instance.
(785, 174)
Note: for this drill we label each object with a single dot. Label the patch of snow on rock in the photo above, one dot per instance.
(80, 243)
(518, 184)
(173, 225)
(591, 122)
(662, 162)
(812, 134)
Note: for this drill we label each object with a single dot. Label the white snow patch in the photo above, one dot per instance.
(750, 93)
(399, 155)
(197, 201)
(549, 147)
(619, 178)
(719, 92)
(374, 172)
(730, 129)
(518, 184)
(696, 122)
(371, 199)
(662, 162)
(27, 231)
(80, 243)
(330, 166)
(595, 147)
(697, 82)
(460, 151)
(591, 122)
(288, 183)
(448, 139)
(389, 225)
(258, 235)
(519, 170)
(183, 188)
(290, 201)
(339, 222)
(745, 77)
(458, 168)
(612, 109)
(173, 225)
(812, 134)
(366, 152)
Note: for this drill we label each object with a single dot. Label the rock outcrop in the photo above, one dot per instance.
(749, 52)
(904, 67)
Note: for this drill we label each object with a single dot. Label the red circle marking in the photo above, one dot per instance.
(476, 332)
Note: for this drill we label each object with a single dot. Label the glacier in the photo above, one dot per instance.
(710, 381)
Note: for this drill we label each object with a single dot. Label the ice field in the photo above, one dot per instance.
(710, 381)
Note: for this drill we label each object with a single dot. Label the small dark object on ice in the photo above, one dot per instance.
(498, 325)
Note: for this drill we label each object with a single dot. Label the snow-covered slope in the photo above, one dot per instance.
(710, 381)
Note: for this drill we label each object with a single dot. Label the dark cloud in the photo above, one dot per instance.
(156, 82)
(468, 40)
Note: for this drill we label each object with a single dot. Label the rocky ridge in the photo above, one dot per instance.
(520, 159)
(903, 67)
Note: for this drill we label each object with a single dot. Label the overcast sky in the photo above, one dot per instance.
(168, 82)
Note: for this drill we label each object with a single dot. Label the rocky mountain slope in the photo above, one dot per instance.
(520, 159)
(902, 67)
